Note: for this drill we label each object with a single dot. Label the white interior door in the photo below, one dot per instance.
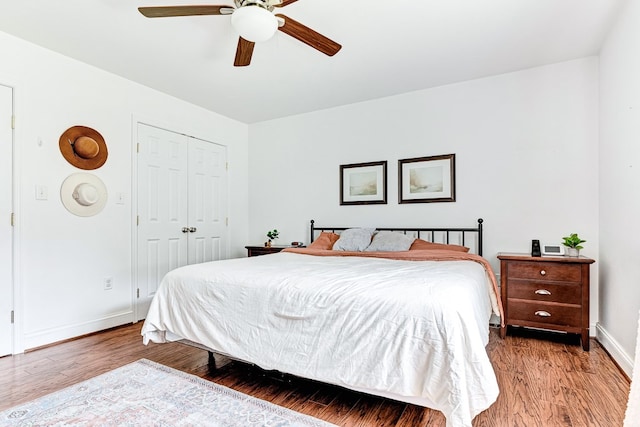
(6, 231)
(207, 201)
(182, 206)
(162, 209)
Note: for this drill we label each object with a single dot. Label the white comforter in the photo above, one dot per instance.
(414, 329)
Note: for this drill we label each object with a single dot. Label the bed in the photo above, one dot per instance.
(410, 323)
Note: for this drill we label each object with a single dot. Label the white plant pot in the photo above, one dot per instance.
(573, 252)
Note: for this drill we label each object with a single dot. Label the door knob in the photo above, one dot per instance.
(185, 229)
(192, 230)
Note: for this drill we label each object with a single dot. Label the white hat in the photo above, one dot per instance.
(83, 194)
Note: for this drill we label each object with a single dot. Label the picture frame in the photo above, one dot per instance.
(427, 179)
(363, 183)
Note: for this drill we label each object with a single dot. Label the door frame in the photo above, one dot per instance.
(135, 121)
(14, 342)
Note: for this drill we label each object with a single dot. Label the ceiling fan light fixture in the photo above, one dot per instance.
(254, 23)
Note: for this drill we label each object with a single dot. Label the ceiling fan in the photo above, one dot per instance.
(255, 21)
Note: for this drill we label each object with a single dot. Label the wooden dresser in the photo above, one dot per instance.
(265, 250)
(546, 292)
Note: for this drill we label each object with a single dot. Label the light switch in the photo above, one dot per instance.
(42, 193)
(120, 198)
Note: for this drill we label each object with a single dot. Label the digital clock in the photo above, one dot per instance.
(552, 250)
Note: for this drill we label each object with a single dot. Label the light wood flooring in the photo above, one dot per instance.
(543, 382)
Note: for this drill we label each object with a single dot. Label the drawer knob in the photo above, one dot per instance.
(543, 292)
(542, 272)
(542, 313)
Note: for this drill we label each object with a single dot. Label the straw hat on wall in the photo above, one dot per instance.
(83, 147)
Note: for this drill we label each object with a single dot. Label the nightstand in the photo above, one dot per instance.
(549, 293)
(264, 250)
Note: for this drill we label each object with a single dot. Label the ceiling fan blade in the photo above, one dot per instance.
(285, 2)
(308, 36)
(243, 53)
(167, 11)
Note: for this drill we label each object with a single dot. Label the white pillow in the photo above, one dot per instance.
(354, 239)
(390, 241)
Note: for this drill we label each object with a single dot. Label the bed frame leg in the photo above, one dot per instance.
(212, 361)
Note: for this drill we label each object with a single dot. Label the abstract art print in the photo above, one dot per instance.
(363, 183)
(427, 179)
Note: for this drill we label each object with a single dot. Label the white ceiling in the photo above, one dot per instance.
(389, 47)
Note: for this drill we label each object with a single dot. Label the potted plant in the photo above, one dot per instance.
(271, 235)
(573, 244)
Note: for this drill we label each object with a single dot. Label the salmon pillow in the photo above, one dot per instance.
(324, 241)
(420, 244)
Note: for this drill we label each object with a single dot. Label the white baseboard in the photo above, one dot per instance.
(624, 360)
(49, 336)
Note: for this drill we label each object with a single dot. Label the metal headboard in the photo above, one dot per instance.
(421, 232)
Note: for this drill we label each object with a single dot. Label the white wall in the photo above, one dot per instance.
(526, 159)
(619, 186)
(62, 259)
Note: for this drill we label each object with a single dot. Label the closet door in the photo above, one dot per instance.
(207, 201)
(182, 207)
(6, 232)
(162, 209)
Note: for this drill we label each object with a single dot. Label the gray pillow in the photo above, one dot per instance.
(354, 239)
(390, 241)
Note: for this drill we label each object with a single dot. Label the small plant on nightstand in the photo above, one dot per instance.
(573, 243)
(271, 235)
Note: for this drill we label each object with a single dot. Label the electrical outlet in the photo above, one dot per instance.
(108, 283)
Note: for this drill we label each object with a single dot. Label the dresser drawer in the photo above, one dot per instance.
(570, 293)
(545, 271)
(539, 312)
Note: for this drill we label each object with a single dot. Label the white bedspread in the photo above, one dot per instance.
(409, 328)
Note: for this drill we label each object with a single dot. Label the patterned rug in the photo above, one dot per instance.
(145, 393)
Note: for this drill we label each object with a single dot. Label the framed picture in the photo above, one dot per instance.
(427, 179)
(363, 183)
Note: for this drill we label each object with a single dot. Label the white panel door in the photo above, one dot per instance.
(162, 209)
(6, 232)
(207, 201)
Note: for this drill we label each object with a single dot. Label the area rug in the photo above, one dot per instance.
(145, 393)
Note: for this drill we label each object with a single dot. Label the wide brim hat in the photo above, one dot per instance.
(83, 147)
(83, 194)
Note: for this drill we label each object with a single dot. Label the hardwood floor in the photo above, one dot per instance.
(543, 382)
